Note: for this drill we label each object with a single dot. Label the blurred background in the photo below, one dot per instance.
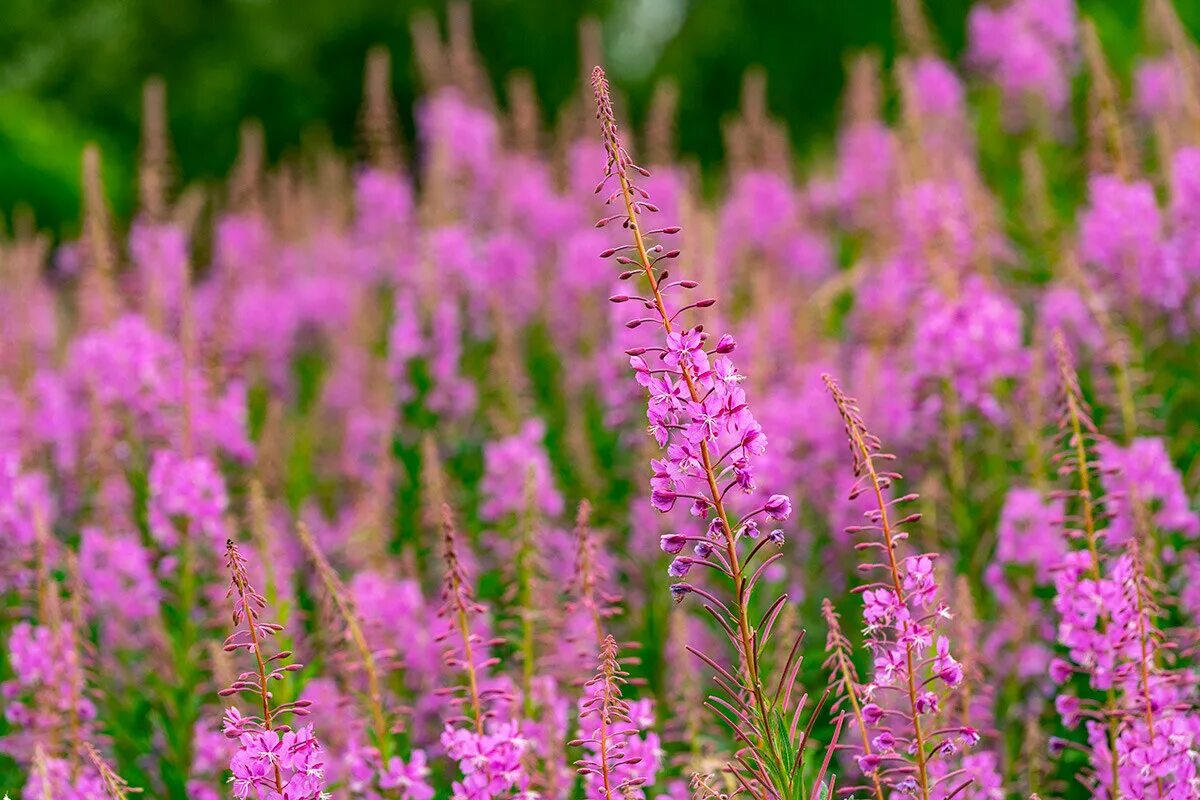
(72, 71)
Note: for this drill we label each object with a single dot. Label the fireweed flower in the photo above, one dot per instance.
(383, 195)
(1030, 546)
(848, 689)
(490, 750)
(409, 779)
(971, 342)
(271, 758)
(1029, 48)
(866, 167)
(698, 414)
(25, 496)
(469, 653)
(933, 99)
(619, 761)
(509, 464)
(159, 252)
(760, 211)
(373, 698)
(550, 770)
(387, 607)
(1121, 233)
(452, 394)
(901, 612)
(933, 217)
(45, 700)
(1156, 89)
(1142, 475)
(936, 90)
(1082, 590)
(466, 136)
(1184, 211)
(1084, 595)
(262, 326)
(1063, 308)
(141, 377)
(382, 226)
(594, 593)
(352, 761)
(69, 779)
(211, 752)
(119, 573)
(1107, 622)
(188, 491)
(1028, 531)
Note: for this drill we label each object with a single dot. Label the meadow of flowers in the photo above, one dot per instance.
(523, 463)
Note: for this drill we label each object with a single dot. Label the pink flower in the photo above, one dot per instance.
(949, 670)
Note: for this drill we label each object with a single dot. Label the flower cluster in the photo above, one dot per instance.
(266, 760)
(1028, 531)
(25, 501)
(491, 762)
(187, 498)
(901, 611)
(140, 377)
(1156, 89)
(45, 699)
(160, 253)
(409, 779)
(971, 341)
(1139, 734)
(1027, 47)
(697, 408)
(1121, 233)
(63, 779)
(119, 573)
(1142, 475)
(509, 465)
(490, 750)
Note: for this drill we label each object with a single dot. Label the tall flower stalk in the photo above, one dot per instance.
(117, 787)
(529, 575)
(1076, 429)
(341, 598)
(901, 611)
(591, 597)
(609, 770)
(698, 413)
(1107, 622)
(459, 607)
(846, 685)
(491, 753)
(270, 756)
